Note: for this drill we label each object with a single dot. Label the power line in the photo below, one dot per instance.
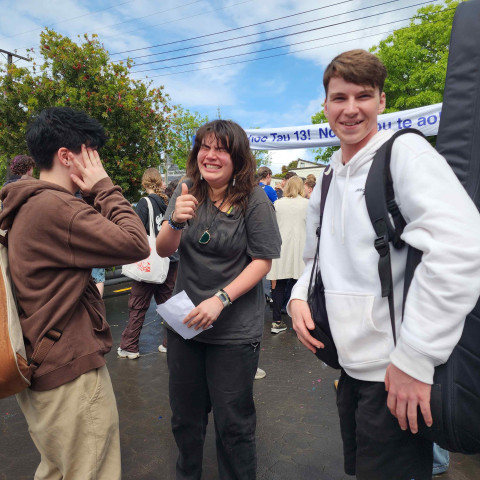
(264, 32)
(231, 29)
(69, 19)
(282, 36)
(267, 57)
(271, 48)
(183, 18)
(150, 15)
(296, 51)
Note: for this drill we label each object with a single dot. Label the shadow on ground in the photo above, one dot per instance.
(297, 426)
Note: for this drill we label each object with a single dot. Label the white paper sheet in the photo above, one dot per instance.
(174, 312)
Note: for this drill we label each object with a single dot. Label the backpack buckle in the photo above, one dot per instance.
(54, 334)
(381, 245)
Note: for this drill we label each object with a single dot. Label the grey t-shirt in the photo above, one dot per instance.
(205, 268)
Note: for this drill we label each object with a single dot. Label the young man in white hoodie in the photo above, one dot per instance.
(382, 384)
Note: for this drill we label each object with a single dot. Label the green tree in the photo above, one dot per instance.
(136, 117)
(262, 157)
(322, 154)
(416, 58)
(184, 126)
(285, 168)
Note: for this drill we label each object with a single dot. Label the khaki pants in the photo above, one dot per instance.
(75, 429)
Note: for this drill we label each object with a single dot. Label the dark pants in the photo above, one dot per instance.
(282, 288)
(139, 302)
(203, 376)
(374, 446)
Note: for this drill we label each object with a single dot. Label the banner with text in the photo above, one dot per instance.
(425, 119)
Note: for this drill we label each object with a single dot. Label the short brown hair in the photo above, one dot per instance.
(310, 183)
(263, 172)
(289, 175)
(21, 164)
(356, 66)
(294, 188)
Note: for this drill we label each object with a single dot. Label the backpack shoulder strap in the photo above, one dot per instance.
(326, 180)
(381, 204)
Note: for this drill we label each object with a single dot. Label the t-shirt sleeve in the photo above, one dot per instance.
(263, 236)
(271, 193)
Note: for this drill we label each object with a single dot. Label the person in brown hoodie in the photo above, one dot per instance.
(54, 240)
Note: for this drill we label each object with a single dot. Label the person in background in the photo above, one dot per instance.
(98, 275)
(21, 166)
(170, 188)
(441, 460)
(279, 187)
(291, 211)
(264, 176)
(309, 185)
(142, 292)
(225, 229)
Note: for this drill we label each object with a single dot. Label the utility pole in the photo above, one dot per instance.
(10, 57)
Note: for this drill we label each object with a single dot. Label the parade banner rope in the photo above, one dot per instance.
(425, 119)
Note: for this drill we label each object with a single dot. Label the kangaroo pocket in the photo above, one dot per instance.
(357, 338)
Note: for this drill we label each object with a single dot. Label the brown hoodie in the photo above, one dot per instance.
(54, 240)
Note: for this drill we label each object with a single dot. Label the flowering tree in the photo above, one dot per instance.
(135, 116)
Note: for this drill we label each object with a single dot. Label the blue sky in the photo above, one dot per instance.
(282, 90)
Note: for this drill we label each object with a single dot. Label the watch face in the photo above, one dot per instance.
(223, 298)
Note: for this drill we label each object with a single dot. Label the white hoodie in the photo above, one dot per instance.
(442, 221)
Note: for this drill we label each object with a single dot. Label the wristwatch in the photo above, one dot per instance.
(224, 298)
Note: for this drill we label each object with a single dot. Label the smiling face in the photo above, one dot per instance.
(352, 112)
(214, 162)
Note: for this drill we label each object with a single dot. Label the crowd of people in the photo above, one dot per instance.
(234, 240)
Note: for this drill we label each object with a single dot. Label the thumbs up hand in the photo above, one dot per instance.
(185, 206)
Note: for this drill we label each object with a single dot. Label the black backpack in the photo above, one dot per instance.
(455, 397)
(455, 400)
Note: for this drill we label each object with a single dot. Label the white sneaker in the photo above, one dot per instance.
(130, 355)
(260, 374)
(278, 327)
(162, 349)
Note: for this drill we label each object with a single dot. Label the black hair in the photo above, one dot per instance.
(57, 127)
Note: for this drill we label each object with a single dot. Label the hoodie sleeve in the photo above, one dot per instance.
(300, 290)
(113, 235)
(444, 223)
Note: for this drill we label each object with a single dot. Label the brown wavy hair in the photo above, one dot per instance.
(21, 164)
(233, 139)
(153, 180)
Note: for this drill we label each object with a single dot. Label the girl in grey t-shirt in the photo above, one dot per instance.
(226, 233)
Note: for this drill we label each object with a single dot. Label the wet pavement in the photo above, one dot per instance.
(297, 425)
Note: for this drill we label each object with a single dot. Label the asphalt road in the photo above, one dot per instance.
(297, 426)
